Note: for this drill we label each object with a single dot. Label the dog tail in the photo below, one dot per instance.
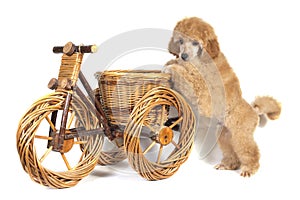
(267, 108)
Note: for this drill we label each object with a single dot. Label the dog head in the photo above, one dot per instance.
(191, 36)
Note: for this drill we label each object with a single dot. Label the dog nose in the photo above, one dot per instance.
(184, 56)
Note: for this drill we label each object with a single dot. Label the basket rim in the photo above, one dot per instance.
(132, 73)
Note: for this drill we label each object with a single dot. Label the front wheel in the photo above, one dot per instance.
(57, 169)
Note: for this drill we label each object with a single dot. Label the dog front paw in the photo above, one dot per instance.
(172, 62)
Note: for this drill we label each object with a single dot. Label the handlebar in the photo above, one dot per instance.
(70, 48)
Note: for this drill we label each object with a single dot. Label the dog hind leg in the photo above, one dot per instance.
(230, 160)
(242, 123)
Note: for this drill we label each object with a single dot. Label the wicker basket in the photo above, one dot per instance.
(120, 90)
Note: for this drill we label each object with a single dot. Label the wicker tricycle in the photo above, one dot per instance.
(132, 114)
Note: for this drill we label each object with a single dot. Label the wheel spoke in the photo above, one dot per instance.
(149, 126)
(162, 115)
(51, 124)
(46, 154)
(71, 120)
(159, 154)
(149, 147)
(80, 142)
(176, 145)
(176, 122)
(43, 137)
(66, 161)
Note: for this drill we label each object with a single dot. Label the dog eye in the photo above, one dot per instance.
(180, 41)
(195, 43)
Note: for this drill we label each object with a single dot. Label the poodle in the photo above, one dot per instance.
(202, 74)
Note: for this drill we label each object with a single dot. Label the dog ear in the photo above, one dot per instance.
(174, 47)
(213, 48)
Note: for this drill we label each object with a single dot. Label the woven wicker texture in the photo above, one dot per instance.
(119, 91)
(137, 155)
(112, 157)
(26, 138)
(70, 67)
(122, 89)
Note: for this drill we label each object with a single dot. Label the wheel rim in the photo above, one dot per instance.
(29, 134)
(161, 137)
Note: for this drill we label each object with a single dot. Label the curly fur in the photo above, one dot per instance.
(236, 138)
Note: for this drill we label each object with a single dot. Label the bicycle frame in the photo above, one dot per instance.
(69, 73)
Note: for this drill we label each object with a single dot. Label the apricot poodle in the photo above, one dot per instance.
(202, 74)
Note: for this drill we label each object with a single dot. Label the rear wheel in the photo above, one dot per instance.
(157, 145)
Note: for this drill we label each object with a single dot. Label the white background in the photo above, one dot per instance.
(259, 38)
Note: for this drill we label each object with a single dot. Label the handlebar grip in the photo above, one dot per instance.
(70, 48)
